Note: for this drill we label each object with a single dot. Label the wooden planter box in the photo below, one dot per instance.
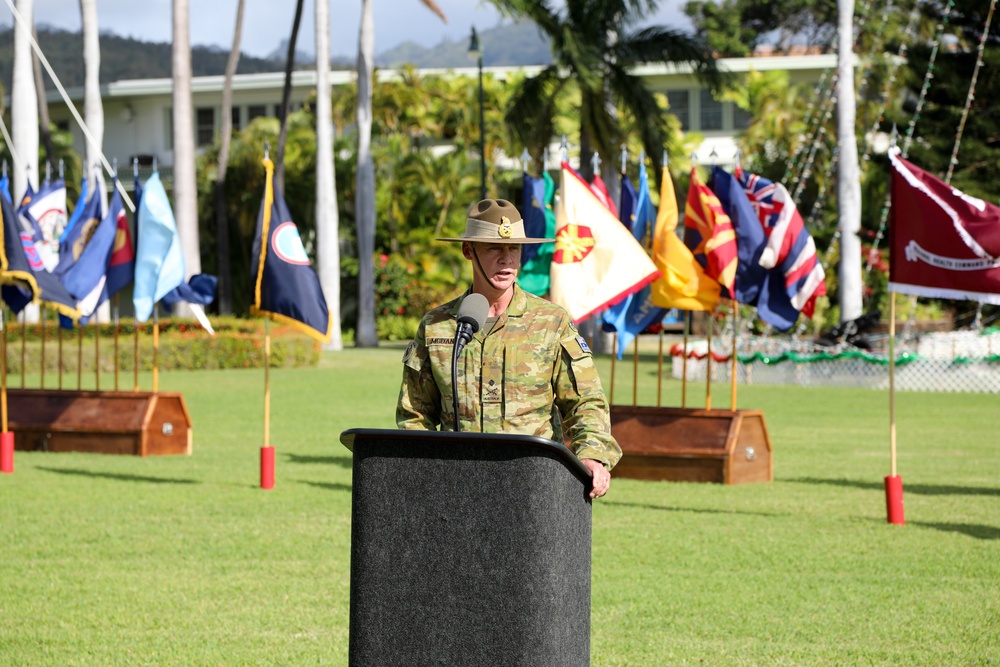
(104, 422)
(692, 445)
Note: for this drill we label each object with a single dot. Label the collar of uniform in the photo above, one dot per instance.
(518, 303)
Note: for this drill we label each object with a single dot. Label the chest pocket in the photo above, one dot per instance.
(528, 380)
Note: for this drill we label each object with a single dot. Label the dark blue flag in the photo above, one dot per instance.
(72, 243)
(626, 207)
(285, 286)
(750, 238)
(532, 209)
(86, 280)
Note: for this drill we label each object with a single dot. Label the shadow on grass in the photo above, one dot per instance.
(342, 461)
(695, 510)
(329, 486)
(919, 489)
(121, 477)
(978, 531)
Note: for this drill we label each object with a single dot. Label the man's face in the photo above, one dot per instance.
(499, 261)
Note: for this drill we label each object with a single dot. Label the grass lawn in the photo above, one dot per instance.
(114, 560)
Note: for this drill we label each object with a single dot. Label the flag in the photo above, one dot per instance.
(23, 279)
(944, 243)
(533, 213)
(626, 203)
(286, 288)
(790, 248)
(47, 212)
(81, 203)
(645, 214)
(600, 190)
(27, 224)
(534, 274)
(86, 280)
(159, 261)
(682, 283)
(750, 239)
(121, 264)
(636, 312)
(709, 233)
(596, 262)
(71, 246)
(5, 187)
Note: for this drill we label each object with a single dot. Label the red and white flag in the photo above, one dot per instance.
(597, 262)
(944, 243)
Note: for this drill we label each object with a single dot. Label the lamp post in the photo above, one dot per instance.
(476, 53)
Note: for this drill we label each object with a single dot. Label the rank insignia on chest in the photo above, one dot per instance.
(583, 344)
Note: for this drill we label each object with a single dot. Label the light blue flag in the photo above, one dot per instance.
(81, 203)
(645, 214)
(159, 261)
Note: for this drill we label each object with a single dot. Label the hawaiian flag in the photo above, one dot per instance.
(597, 262)
(790, 248)
(286, 287)
(750, 239)
(539, 222)
(944, 243)
(709, 233)
(600, 190)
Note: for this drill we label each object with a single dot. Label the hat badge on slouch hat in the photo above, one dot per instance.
(495, 221)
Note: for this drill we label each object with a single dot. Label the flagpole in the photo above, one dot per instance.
(893, 483)
(135, 352)
(659, 370)
(156, 348)
(79, 356)
(684, 361)
(708, 363)
(60, 346)
(115, 315)
(635, 370)
(97, 352)
(732, 398)
(42, 380)
(6, 437)
(614, 355)
(267, 451)
(24, 345)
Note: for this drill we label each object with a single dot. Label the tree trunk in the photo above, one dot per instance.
(224, 295)
(185, 185)
(93, 107)
(24, 105)
(286, 98)
(327, 218)
(44, 127)
(848, 177)
(366, 335)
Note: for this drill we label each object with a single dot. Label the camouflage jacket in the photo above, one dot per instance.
(530, 374)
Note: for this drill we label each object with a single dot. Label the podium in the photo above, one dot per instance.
(468, 549)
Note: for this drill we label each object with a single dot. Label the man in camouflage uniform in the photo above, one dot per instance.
(526, 371)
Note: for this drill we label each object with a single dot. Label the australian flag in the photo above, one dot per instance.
(285, 286)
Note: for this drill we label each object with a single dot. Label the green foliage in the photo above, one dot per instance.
(183, 345)
(733, 28)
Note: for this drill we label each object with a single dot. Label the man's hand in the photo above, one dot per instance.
(601, 477)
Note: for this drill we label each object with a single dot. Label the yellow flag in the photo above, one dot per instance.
(683, 283)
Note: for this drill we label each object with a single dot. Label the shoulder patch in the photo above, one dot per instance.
(583, 344)
(408, 353)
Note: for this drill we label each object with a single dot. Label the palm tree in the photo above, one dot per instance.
(327, 220)
(366, 336)
(185, 182)
(286, 97)
(225, 290)
(594, 48)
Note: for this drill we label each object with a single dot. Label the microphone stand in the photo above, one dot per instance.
(462, 337)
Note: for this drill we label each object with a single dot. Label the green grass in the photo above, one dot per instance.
(113, 560)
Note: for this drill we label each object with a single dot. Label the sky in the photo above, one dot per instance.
(267, 22)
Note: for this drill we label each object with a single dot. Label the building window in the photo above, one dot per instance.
(741, 119)
(278, 108)
(680, 106)
(255, 111)
(204, 125)
(237, 118)
(711, 111)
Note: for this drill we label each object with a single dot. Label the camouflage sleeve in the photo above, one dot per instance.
(419, 404)
(581, 403)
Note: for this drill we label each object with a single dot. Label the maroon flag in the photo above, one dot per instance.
(945, 244)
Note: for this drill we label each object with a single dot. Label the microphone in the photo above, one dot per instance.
(472, 313)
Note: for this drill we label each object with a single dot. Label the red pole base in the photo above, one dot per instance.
(894, 499)
(7, 452)
(267, 467)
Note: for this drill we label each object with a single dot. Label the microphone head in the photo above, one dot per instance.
(473, 311)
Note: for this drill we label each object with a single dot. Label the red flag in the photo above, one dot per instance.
(709, 233)
(600, 190)
(944, 243)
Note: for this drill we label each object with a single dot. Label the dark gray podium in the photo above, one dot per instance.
(468, 549)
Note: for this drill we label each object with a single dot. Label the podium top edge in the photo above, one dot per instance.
(348, 437)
